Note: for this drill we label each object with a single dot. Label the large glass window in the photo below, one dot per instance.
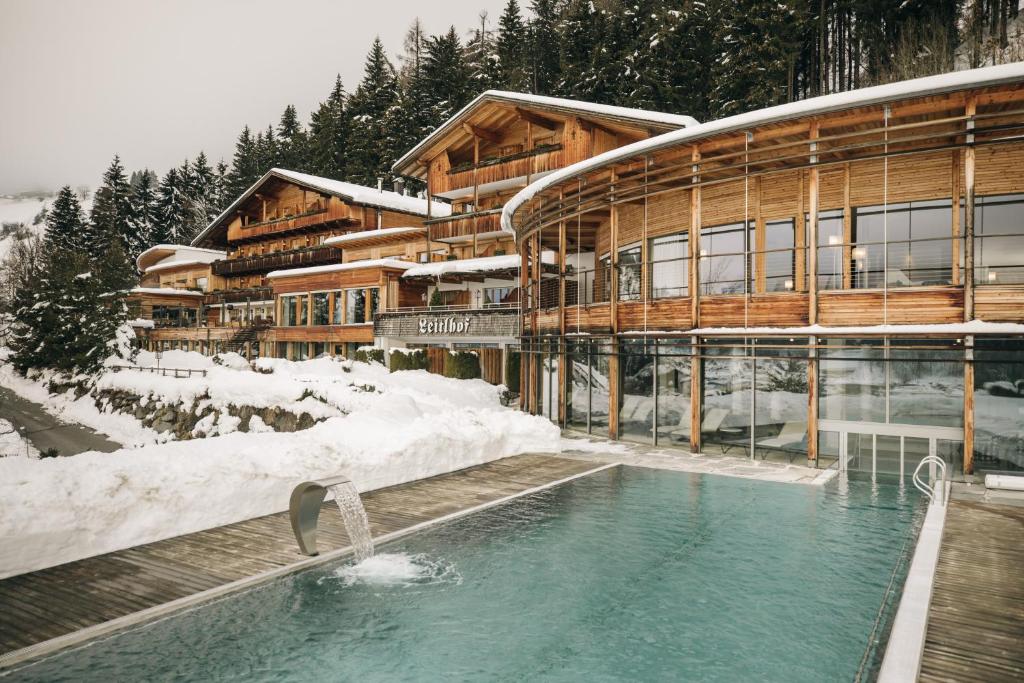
(599, 388)
(902, 245)
(630, 264)
(779, 257)
(355, 306)
(851, 380)
(724, 262)
(830, 249)
(293, 310)
(496, 296)
(673, 387)
(636, 391)
(339, 307)
(999, 239)
(670, 264)
(998, 405)
(780, 402)
(577, 413)
(321, 308)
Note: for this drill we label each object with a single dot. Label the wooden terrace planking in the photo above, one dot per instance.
(976, 617)
(61, 600)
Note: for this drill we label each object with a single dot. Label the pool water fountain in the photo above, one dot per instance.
(304, 511)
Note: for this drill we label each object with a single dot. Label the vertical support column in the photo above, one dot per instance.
(524, 329)
(695, 238)
(760, 240)
(969, 404)
(613, 303)
(476, 191)
(801, 239)
(812, 228)
(969, 162)
(695, 395)
(812, 401)
(562, 356)
(847, 275)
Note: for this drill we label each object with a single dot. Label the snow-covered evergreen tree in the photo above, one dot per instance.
(172, 209)
(145, 214)
(374, 110)
(112, 213)
(511, 48)
(292, 141)
(65, 223)
(244, 165)
(543, 60)
(481, 59)
(328, 134)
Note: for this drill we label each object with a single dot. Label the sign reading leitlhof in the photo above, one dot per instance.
(484, 324)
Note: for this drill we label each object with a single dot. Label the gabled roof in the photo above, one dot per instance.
(653, 121)
(350, 192)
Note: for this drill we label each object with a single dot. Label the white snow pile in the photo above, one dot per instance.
(395, 428)
(13, 443)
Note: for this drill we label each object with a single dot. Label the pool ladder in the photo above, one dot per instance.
(937, 494)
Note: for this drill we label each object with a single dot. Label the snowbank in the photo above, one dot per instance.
(395, 428)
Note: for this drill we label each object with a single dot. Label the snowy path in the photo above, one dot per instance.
(45, 431)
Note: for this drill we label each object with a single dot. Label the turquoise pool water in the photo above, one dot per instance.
(627, 574)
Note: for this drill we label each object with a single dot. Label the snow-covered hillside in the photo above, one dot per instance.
(386, 428)
(23, 209)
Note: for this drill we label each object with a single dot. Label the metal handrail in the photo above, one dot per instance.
(928, 489)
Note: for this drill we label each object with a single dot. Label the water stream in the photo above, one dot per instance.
(354, 515)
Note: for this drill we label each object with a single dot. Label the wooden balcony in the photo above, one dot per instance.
(547, 158)
(460, 228)
(316, 217)
(298, 258)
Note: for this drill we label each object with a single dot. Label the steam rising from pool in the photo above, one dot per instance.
(354, 515)
(398, 569)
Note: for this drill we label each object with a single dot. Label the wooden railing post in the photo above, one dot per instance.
(695, 208)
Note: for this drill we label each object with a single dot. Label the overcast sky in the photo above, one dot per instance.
(158, 81)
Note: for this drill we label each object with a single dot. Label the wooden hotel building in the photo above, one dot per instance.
(837, 281)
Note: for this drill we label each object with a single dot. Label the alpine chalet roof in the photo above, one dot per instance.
(349, 192)
(639, 119)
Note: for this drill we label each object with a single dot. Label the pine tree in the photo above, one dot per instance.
(65, 223)
(172, 209)
(328, 134)
(220, 183)
(446, 77)
(579, 42)
(267, 152)
(544, 66)
(292, 141)
(144, 200)
(112, 213)
(244, 165)
(481, 59)
(756, 50)
(374, 109)
(510, 48)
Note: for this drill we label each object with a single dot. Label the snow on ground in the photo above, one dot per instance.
(396, 428)
(14, 444)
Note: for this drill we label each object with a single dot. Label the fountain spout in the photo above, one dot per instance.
(304, 511)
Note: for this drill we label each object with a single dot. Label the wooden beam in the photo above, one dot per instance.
(969, 405)
(536, 119)
(956, 214)
(695, 244)
(812, 403)
(970, 158)
(695, 397)
(812, 230)
(847, 249)
(590, 126)
(478, 132)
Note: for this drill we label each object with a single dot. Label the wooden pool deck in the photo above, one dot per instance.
(60, 606)
(976, 617)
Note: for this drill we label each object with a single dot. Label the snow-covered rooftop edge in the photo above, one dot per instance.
(169, 291)
(370, 196)
(334, 267)
(918, 87)
(167, 265)
(481, 264)
(607, 110)
(972, 327)
(173, 250)
(363, 234)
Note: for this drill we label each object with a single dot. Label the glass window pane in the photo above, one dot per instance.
(780, 239)
(851, 380)
(629, 273)
(673, 385)
(321, 308)
(726, 386)
(669, 265)
(636, 395)
(926, 384)
(578, 374)
(998, 405)
(355, 306)
(780, 424)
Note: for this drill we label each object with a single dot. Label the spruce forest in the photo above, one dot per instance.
(707, 59)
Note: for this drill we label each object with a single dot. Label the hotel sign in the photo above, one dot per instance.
(447, 324)
(443, 326)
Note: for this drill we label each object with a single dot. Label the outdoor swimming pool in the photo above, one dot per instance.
(628, 574)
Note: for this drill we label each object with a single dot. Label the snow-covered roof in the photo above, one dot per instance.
(166, 253)
(350, 192)
(482, 264)
(167, 291)
(620, 114)
(335, 267)
(342, 240)
(918, 87)
(169, 264)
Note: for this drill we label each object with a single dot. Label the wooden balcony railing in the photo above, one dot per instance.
(465, 225)
(312, 256)
(321, 214)
(546, 158)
